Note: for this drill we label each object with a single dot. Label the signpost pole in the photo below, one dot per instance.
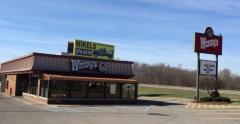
(197, 79)
(216, 72)
(217, 67)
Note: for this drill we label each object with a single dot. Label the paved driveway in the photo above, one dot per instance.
(14, 110)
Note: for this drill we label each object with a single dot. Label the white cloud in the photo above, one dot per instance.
(60, 42)
(8, 53)
(229, 7)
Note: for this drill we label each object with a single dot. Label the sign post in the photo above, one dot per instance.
(217, 71)
(197, 79)
(207, 43)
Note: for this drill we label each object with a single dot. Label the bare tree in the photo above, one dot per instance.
(166, 75)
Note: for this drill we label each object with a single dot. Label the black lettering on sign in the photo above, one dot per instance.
(86, 45)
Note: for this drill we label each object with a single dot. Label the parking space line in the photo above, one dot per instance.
(229, 106)
(222, 106)
(211, 106)
(148, 108)
(193, 105)
(205, 106)
(199, 105)
(188, 105)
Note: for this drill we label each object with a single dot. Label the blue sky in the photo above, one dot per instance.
(149, 31)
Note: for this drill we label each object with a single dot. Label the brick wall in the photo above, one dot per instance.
(35, 99)
(11, 85)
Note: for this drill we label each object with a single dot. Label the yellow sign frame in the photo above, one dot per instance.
(93, 49)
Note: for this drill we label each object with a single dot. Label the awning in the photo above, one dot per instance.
(94, 79)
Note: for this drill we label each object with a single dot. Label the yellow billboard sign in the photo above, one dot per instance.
(93, 49)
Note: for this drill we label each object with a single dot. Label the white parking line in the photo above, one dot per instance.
(205, 106)
(229, 106)
(148, 108)
(199, 105)
(188, 105)
(193, 105)
(211, 106)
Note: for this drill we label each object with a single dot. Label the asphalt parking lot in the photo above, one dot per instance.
(16, 110)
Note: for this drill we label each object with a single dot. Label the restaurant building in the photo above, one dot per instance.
(67, 79)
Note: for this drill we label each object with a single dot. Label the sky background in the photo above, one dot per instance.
(148, 31)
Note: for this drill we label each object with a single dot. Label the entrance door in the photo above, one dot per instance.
(96, 90)
(19, 85)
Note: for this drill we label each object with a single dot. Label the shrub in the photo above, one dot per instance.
(215, 99)
(221, 99)
(206, 99)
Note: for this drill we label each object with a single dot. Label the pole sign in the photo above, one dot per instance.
(207, 42)
(208, 67)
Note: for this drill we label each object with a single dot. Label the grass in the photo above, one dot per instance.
(179, 93)
(165, 92)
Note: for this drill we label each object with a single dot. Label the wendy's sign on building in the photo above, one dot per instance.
(207, 42)
(78, 65)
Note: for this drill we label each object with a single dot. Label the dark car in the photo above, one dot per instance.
(103, 52)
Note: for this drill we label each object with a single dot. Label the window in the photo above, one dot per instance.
(41, 88)
(33, 86)
(25, 84)
(128, 91)
(59, 89)
(78, 90)
(44, 88)
(112, 91)
(96, 90)
(46, 85)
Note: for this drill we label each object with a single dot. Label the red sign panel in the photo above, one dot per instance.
(208, 42)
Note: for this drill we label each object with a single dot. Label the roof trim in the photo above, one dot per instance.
(17, 58)
(17, 72)
(63, 56)
(78, 78)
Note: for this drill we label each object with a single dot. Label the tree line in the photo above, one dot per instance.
(163, 74)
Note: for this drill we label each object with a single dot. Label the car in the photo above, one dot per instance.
(103, 52)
